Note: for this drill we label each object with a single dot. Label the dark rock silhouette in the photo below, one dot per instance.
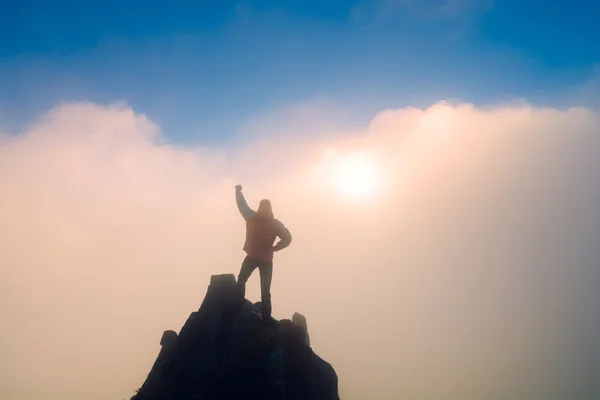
(225, 351)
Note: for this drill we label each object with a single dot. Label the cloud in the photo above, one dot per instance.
(472, 274)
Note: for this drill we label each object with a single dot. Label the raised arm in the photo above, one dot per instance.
(285, 236)
(245, 210)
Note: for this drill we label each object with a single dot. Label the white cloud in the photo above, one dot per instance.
(472, 275)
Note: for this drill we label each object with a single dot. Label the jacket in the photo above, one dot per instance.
(261, 232)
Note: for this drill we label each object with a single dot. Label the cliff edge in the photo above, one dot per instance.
(226, 352)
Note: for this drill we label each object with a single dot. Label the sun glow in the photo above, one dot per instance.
(357, 175)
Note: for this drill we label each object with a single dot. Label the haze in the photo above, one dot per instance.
(436, 161)
(471, 274)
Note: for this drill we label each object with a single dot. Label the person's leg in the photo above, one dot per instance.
(266, 276)
(248, 266)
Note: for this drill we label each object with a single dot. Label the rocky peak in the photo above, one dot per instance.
(225, 351)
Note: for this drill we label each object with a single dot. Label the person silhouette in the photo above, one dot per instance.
(262, 229)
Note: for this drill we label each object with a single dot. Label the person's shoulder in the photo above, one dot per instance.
(278, 223)
(281, 228)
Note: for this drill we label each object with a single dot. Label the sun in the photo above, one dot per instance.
(357, 175)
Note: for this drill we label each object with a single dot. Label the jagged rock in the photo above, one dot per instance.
(224, 351)
(169, 339)
(300, 320)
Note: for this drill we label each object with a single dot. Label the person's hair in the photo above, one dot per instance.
(264, 209)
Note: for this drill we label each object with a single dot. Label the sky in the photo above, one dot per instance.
(201, 69)
(437, 162)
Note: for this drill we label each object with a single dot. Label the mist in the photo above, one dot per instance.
(470, 274)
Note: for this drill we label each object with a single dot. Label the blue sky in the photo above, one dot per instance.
(202, 69)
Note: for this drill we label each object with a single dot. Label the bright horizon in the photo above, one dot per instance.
(437, 163)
